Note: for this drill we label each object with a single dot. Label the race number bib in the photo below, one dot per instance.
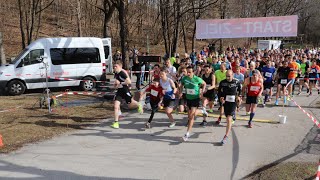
(254, 88)
(283, 81)
(183, 91)
(191, 91)
(231, 98)
(154, 93)
(269, 75)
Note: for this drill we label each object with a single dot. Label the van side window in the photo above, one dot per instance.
(106, 51)
(31, 57)
(74, 55)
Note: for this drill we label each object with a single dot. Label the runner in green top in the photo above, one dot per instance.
(304, 66)
(194, 92)
(221, 74)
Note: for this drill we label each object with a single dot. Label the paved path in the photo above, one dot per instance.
(132, 153)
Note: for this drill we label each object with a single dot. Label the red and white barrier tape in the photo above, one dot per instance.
(318, 172)
(12, 109)
(68, 79)
(81, 93)
(304, 111)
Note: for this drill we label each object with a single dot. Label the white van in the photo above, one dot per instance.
(77, 58)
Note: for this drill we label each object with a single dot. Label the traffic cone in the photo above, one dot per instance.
(1, 143)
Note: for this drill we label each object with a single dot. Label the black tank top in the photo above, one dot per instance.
(208, 80)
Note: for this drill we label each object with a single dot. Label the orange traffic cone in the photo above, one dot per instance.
(1, 143)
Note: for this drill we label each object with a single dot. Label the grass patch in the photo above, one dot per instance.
(22, 121)
(288, 171)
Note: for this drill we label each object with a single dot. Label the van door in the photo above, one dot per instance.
(30, 69)
(108, 54)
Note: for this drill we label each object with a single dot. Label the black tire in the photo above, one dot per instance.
(16, 87)
(87, 84)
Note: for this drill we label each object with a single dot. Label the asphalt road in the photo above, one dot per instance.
(158, 153)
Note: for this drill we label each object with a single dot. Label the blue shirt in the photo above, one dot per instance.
(240, 77)
(268, 73)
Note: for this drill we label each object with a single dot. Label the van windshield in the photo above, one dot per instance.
(19, 56)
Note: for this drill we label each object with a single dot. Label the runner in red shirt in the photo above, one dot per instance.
(154, 95)
(254, 88)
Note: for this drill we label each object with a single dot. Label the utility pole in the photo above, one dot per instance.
(2, 56)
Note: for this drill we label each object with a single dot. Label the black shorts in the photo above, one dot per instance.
(313, 81)
(267, 85)
(182, 100)
(154, 105)
(252, 100)
(193, 103)
(168, 103)
(229, 108)
(210, 95)
(279, 82)
(123, 94)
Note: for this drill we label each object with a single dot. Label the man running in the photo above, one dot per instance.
(292, 74)
(209, 95)
(194, 88)
(268, 72)
(254, 89)
(220, 76)
(314, 76)
(282, 78)
(121, 83)
(229, 92)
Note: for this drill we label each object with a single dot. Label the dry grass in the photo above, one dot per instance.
(25, 122)
(289, 171)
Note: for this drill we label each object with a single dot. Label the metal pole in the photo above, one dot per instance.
(47, 89)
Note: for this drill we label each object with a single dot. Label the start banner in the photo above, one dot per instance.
(278, 26)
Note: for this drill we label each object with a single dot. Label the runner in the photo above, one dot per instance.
(209, 95)
(182, 100)
(304, 76)
(169, 89)
(156, 72)
(170, 70)
(254, 89)
(292, 74)
(121, 83)
(268, 73)
(220, 76)
(154, 94)
(313, 75)
(282, 79)
(192, 85)
(229, 92)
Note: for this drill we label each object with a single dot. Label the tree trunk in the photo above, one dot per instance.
(23, 38)
(184, 37)
(79, 18)
(2, 56)
(123, 31)
(176, 28)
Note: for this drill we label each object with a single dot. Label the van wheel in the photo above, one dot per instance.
(87, 84)
(16, 87)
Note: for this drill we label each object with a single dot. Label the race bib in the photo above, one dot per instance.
(268, 74)
(154, 93)
(283, 81)
(254, 88)
(183, 91)
(191, 91)
(231, 98)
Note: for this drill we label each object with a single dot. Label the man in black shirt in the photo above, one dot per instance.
(282, 79)
(230, 94)
(122, 83)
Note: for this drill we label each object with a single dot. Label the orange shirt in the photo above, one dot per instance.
(293, 66)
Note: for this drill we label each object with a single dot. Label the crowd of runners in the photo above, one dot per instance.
(199, 81)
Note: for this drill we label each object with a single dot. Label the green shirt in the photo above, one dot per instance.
(216, 66)
(192, 86)
(220, 75)
(172, 60)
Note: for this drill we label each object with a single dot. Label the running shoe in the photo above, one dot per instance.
(224, 140)
(115, 125)
(263, 105)
(276, 103)
(204, 113)
(147, 125)
(247, 113)
(140, 109)
(204, 123)
(249, 125)
(185, 138)
(210, 110)
(308, 90)
(318, 91)
(218, 121)
(310, 94)
(172, 125)
(298, 93)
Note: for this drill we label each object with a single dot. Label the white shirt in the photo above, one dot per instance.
(172, 72)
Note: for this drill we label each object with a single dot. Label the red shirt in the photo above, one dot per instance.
(155, 93)
(254, 88)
